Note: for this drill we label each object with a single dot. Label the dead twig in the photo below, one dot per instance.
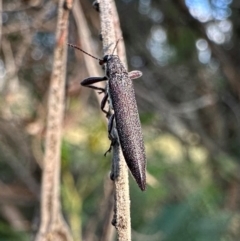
(86, 40)
(122, 220)
(53, 226)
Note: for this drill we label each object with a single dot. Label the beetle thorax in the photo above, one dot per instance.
(114, 66)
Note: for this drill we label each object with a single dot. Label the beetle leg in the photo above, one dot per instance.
(92, 80)
(110, 136)
(103, 103)
(110, 127)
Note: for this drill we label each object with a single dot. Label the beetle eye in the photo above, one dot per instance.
(106, 58)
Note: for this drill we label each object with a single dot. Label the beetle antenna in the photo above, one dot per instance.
(116, 45)
(76, 47)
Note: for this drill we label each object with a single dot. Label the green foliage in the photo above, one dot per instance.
(184, 41)
(9, 234)
(189, 220)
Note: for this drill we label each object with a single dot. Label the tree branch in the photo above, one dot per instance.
(122, 221)
(52, 226)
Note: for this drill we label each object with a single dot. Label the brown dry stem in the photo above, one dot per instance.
(53, 226)
(122, 220)
(86, 40)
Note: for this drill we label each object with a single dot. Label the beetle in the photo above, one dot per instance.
(120, 93)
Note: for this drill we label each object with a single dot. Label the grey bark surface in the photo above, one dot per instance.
(122, 219)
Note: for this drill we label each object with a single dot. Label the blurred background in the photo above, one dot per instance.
(188, 101)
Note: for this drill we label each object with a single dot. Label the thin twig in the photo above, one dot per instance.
(118, 33)
(122, 220)
(53, 226)
(11, 83)
(86, 40)
(1, 24)
(6, 153)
